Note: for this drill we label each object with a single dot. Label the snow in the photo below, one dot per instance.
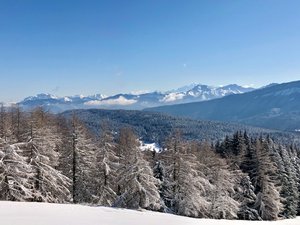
(139, 99)
(41, 96)
(183, 88)
(150, 146)
(67, 99)
(18, 213)
(248, 86)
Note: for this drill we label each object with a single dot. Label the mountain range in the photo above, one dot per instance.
(275, 106)
(186, 94)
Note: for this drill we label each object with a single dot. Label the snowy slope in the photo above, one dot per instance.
(16, 213)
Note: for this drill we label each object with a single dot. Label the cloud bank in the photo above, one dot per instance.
(118, 101)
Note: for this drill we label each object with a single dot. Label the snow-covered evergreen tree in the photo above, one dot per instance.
(268, 198)
(246, 196)
(289, 186)
(295, 161)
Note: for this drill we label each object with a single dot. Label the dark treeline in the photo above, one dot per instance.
(46, 158)
(156, 127)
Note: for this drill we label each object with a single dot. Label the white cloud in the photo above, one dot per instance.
(172, 97)
(119, 101)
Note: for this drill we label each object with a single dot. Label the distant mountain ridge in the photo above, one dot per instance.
(275, 106)
(186, 94)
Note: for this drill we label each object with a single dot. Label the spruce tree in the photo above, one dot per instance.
(268, 198)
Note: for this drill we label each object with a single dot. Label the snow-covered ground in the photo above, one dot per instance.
(150, 147)
(16, 213)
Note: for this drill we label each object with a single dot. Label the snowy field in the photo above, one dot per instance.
(16, 213)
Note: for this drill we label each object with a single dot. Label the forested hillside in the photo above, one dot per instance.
(46, 158)
(156, 127)
(274, 107)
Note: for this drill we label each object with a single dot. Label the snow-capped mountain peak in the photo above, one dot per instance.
(41, 96)
(190, 93)
(183, 88)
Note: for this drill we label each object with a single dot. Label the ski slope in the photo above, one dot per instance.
(16, 213)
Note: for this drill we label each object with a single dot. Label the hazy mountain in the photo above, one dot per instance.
(276, 106)
(58, 104)
(189, 93)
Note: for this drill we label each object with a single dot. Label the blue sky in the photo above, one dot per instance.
(85, 47)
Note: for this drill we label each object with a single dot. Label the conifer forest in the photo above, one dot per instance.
(47, 158)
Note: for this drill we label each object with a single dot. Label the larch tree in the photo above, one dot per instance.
(222, 204)
(106, 167)
(185, 186)
(138, 188)
(83, 162)
(15, 175)
(43, 154)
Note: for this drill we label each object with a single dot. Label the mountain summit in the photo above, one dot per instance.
(186, 94)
